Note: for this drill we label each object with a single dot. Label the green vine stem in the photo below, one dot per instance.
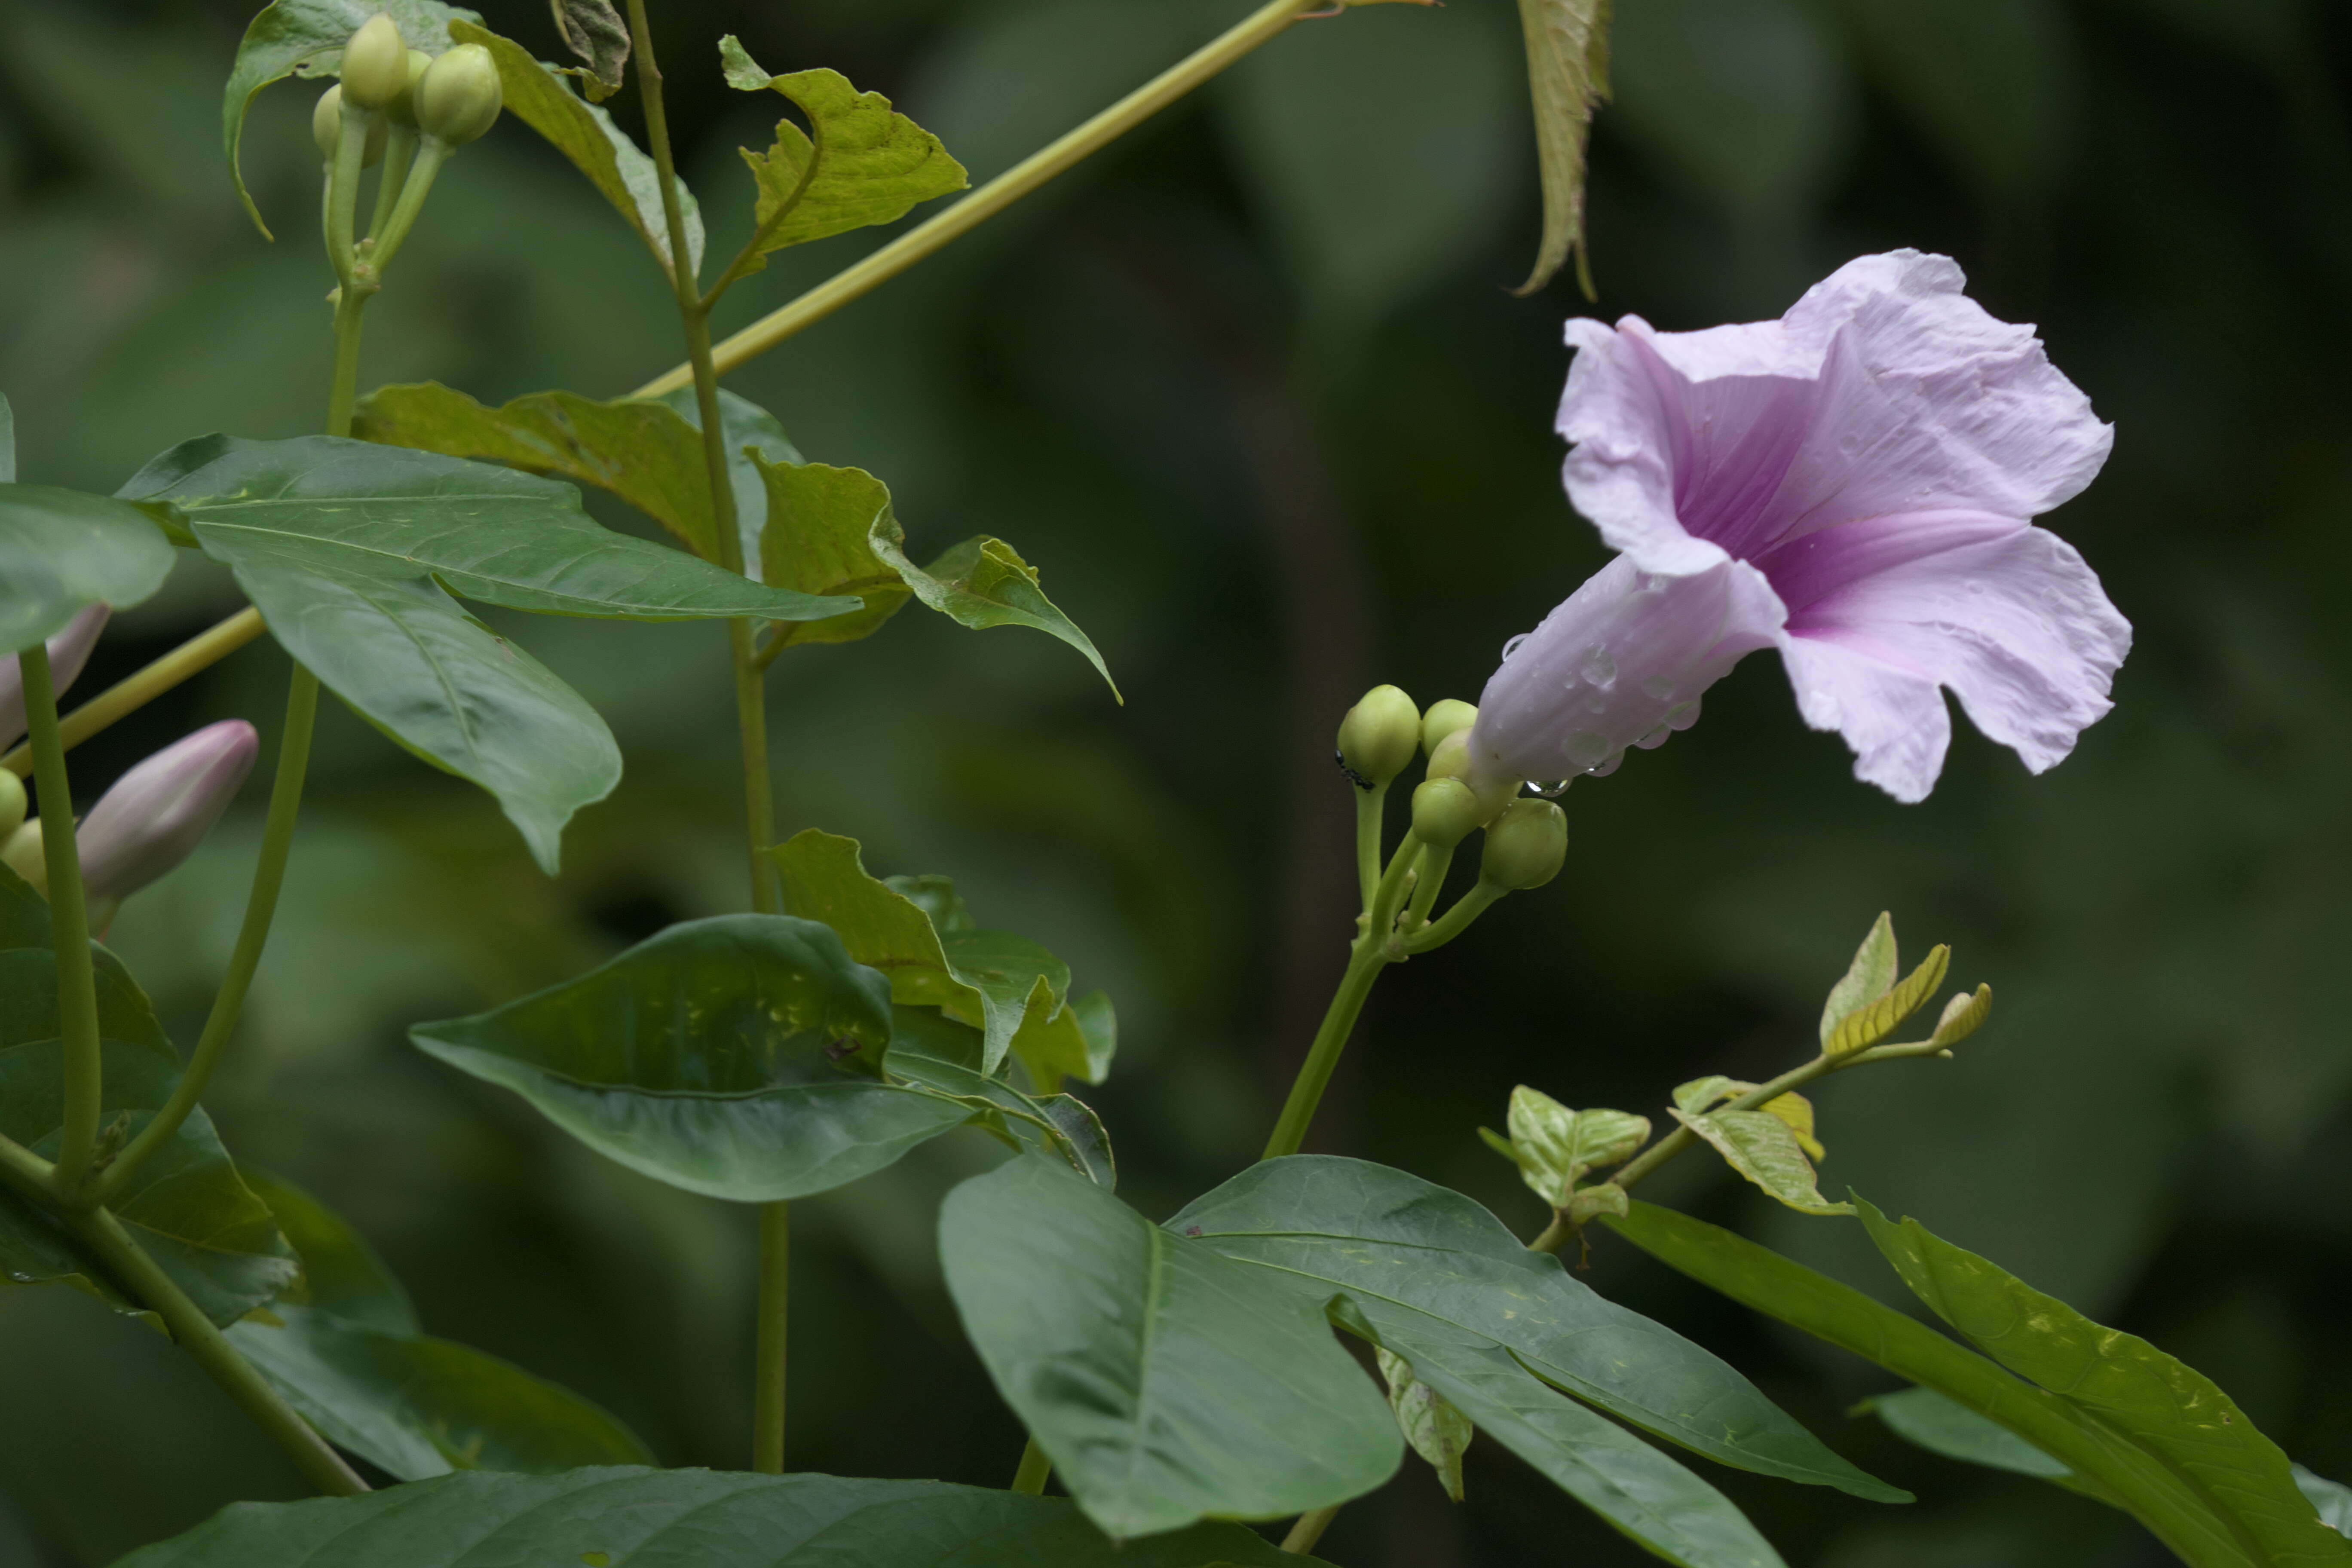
(134, 691)
(1310, 1528)
(750, 713)
(1035, 1469)
(69, 921)
(195, 1333)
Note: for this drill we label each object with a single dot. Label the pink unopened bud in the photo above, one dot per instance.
(158, 813)
(68, 651)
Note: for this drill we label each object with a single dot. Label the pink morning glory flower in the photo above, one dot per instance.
(1853, 485)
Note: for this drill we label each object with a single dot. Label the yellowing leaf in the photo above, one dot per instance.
(1867, 1024)
(1568, 76)
(1869, 977)
(1798, 1112)
(1764, 1148)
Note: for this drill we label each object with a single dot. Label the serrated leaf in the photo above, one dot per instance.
(860, 162)
(983, 583)
(1433, 1427)
(537, 95)
(1568, 77)
(817, 538)
(1763, 1148)
(1869, 976)
(742, 1057)
(1871, 1022)
(594, 31)
(711, 1519)
(306, 38)
(1210, 1390)
(62, 552)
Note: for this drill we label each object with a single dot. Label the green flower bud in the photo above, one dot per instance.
(12, 803)
(1377, 737)
(401, 109)
(1445, 812)
(1450, 758)
(375, 64)
(458, 97)
(1525, 847)
(326, 129)
(1451, 716)
(21, 853)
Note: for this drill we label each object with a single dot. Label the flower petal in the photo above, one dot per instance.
(2007, 616)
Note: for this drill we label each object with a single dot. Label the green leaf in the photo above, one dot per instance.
(2107, 1462)
(1869, 976)
(1941, 1426)
(2332, 1498)
(1555, 1147)
(1445, 1284)
(711, 1519)
(1006, 985)
(1568, 76)
(537, 95)
(9, 447)
(933, 1051)
(1167, 1383)
(1763, 1147)
(742, 1057)
(62, 552)
(1433, 1427)
(489, 533)
(752, 434)
(306, 38)
(2167, 1410)
(1868, 1025)
(344, 1347)
(858, 164)
(594, 31)
(817, 539)
(980, 583)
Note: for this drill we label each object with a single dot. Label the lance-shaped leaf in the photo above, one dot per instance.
(1167, 1383)
(1568, 76)
(62, 552)
(1433, 1427)
(1941, 1425)
(929, 1049)
(1869, 976)
(817, 538)
(594, 31)
(540, 97)
(2168, 1410)
(343, 1348)
(1871, 1022)
(742, 1057)
(710, 1518)
(1763, 1148)
(306, 38)
(1443, 1283)
(858, 164)
(982, 582)
(2200, 1524)
(1012, 989)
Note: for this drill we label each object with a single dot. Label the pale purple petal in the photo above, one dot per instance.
(68, 651)
(158, 813)
(1893, 718)
(1622, 663)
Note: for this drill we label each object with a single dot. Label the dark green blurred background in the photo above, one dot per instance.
(1251, 392)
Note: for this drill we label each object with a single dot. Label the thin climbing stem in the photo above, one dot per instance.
(1035, 1470)
(126, 696)
(70, 922)
(771, 1363)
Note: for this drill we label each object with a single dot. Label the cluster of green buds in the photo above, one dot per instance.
(1525, 840)
(406, 110)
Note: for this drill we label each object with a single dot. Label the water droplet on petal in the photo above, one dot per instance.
(1654, 738)
(1600, 669)
(1602, 770)
(1512, 646)
(1659, 686)
(1552, 791)
(1585, 750)
(1682, 716)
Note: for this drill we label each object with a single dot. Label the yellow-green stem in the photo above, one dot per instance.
(1429, 879)
(1268, 22)
(69, 922)
(399, 154)
(1370, 805)
(1310, 1528)
(1035, 1470)
(128, 695)
(1455, 921)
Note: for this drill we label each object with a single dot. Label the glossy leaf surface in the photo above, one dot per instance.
(858, 164)
(306, 38)
(1167, 1383)
(706, 1517)
(538, 95)
(1435, 1274)
(741, 1056)
(62, 552)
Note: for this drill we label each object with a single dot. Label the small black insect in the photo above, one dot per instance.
(1358, 779)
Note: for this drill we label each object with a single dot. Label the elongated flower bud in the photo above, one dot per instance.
(1377, 737)
(12, 804)
(375, 64)
(458, 97)
(1527, 845)
(158, 813)
(68, 651)
(1445, 717)
(401, 109)
(326, 129)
